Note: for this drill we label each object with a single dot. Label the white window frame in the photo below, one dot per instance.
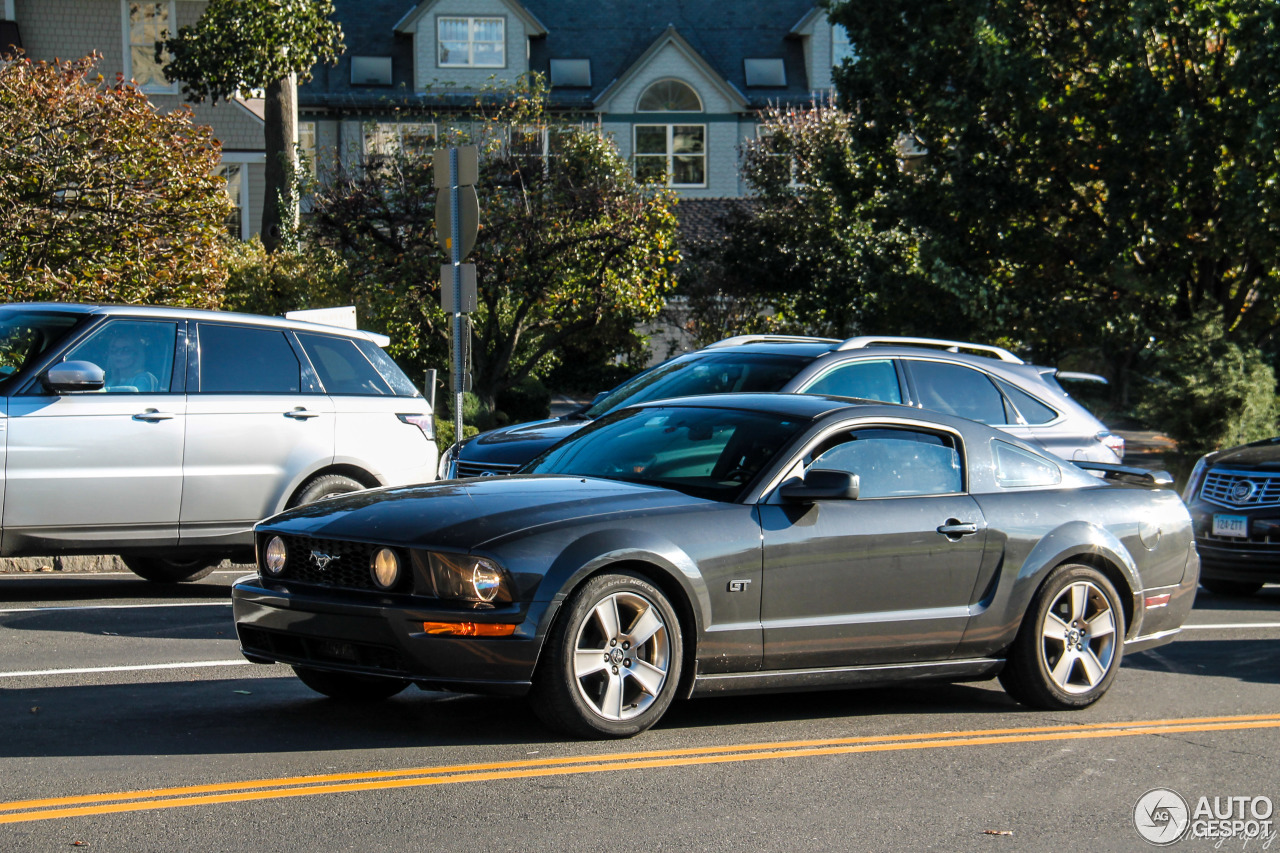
(697, 96)
(841, 49)
(793, 182)
(126, 22)
(244, 159)
(472, 20)
(670, 153)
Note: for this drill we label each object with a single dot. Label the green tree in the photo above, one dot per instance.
(806, 248)
(570, 246)
(1097, 175)
(240, 45)
(103, 198)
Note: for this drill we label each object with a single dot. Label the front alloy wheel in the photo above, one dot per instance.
(612, 663)
(1068, 649)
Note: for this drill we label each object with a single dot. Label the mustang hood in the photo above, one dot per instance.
(467, 514)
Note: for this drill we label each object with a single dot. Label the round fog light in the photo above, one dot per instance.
(275, 556)
(385, 568)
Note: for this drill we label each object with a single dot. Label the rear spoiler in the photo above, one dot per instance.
(1129, 474)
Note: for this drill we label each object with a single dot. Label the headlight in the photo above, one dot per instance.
(464, 578)
(385, 568)
(445, 470)
(275, 557)
(1193, 482)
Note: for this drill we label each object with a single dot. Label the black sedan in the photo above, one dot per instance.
(1234, 498)
(731, 543)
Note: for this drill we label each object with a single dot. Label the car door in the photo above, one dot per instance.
(254, 425)
(101, 469)
(886, 578)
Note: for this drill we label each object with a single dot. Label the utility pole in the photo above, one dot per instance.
(457, 220)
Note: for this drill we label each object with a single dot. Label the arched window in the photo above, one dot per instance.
(678, 151)
(669, 96)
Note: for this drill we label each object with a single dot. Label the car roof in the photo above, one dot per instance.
(165, 311)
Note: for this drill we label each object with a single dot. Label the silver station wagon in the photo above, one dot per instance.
(163, 435)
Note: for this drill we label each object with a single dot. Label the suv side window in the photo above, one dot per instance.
(869, 379)
(896, 462)
(1031, 409)
(137, 355)
(247, 360)
(342, 367)
(958, 390)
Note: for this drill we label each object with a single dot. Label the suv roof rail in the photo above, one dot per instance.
(739, 340)
(950, 346)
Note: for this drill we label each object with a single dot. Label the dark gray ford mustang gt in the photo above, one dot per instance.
(730, 543)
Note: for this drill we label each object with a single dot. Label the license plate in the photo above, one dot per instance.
(1231, 525)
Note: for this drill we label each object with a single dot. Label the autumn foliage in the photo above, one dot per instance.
(102, 197)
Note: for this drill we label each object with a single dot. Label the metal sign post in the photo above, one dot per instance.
(457, 280)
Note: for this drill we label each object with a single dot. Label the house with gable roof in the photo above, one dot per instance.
(677, 84)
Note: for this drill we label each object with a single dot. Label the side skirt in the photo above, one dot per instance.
(976, 669)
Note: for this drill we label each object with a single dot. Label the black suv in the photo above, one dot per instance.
(983, 383)
(1234, 498)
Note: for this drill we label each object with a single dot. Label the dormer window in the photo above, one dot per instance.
(841, 49)
(472, 42)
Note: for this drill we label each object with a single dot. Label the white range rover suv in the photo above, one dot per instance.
(164, 434)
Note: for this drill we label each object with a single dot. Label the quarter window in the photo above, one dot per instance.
(1031, 409)
(677, 151)
(472, 42)
(145, 24)
(342, 368)
(243, 360)
(957, 390)
(1016, 468)
(895, 462)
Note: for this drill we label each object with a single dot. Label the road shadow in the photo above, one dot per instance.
(1253, 661)
(86, 589)
(1266, 598)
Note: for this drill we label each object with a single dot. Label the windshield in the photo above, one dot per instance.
(25, 336)
(704, 452)
(712, 373)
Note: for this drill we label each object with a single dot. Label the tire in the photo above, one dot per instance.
(1068, 649)
(323, 486)
(1238, 589)
(168, 569)
(612, 662)
(348, 687)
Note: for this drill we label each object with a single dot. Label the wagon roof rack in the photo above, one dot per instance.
(739, 340)
(950, 346)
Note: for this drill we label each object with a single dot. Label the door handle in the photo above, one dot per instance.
(301, 414)
(955, 528)
(152, 415)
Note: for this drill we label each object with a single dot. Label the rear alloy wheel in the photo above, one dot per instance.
(324, 486)
(1068, 649)
(612, 662)
(168, 569)
(348, 687)
(1238, 589)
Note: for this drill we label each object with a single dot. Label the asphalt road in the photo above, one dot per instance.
(130, 724)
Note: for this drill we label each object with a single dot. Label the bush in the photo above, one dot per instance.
(528, 401)
(287, 280)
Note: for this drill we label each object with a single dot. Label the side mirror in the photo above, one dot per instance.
(71, 376)
(597, 398)
(821, 484)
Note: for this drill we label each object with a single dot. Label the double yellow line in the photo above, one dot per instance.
(22, 811)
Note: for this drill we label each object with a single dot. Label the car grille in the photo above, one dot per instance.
(483, 469)
(279, 645)
(346, 568)
(1241, 489)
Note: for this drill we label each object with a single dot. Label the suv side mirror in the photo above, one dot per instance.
(821, 484)
(71, 376)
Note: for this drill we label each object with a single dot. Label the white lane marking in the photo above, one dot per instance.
(139, 668)
(115, 606)
(1231, 625)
